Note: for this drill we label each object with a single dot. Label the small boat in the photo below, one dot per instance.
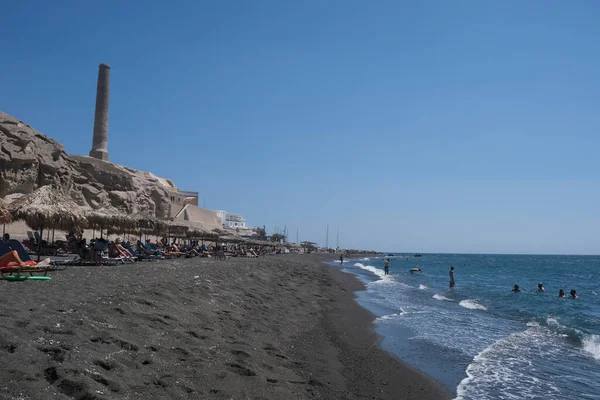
(391, 255)
(418, 255)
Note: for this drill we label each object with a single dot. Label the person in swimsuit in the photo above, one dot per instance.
(516, 289)
(561, 293)
(451, 273)
(341, 259)
(387, 266)
(573, 294)
(541, 287)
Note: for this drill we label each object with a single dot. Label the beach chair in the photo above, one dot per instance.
(144, 253)
(25, 257)
(127, 247)
(33, 269)
(18, 247)
(100, 249)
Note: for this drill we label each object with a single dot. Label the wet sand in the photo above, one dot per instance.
(281, 327)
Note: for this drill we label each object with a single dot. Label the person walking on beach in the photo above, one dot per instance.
(451, 273)
(387, 266)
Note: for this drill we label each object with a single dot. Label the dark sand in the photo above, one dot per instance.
(282, 327)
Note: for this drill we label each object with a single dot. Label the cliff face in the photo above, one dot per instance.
(29, 159)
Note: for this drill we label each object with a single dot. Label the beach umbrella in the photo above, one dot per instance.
(47, 208)
(177, 230)
(112, 219)
(5, 216)
(148, 224)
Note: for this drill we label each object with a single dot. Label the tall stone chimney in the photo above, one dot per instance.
(100, 141)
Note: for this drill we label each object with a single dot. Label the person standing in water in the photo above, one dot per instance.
(387, 266)
(341, 259)
(451, 273)
(541, 287)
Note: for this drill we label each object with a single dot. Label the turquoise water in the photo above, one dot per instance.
(482, 340)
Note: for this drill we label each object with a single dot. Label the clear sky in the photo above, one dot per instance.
(429, 126)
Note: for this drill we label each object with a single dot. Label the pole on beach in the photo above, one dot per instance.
(40, 244)
(327, 238)
(297, 241)
(3, 229)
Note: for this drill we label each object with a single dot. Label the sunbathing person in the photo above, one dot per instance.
(116, 250)
(11, 259)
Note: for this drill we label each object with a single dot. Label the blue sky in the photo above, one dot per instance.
(435, 126)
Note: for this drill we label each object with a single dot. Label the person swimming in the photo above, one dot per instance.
(516, 289)
(541, 287)
(415, 270)
(573, 294)
(561, 293)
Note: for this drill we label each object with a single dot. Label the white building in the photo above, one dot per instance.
(232, 221)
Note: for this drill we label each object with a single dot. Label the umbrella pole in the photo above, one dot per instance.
(53, 235)
(3, 229)
(40, 244)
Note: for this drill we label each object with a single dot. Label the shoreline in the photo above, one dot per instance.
(278, 327)
(371, 367)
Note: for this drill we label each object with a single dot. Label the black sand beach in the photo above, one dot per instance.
(282, 327)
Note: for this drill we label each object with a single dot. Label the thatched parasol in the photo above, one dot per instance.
(149, 223)
(177, 230)
(112, 219)
(47, 208)
(5, 217)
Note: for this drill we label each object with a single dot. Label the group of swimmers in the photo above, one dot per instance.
(561, 293)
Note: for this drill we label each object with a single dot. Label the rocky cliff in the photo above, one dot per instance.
(29, 159)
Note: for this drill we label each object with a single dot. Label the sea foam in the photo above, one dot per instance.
(440, 297)
(422, 287)
(370, 268)
(472, 305)
(591, 345)
(505, 367)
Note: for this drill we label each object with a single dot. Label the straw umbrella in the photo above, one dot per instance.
(149, 224)
(47, 208)
(112, 219)
(5, 217)
(177, 230)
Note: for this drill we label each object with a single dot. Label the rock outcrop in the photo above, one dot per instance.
(29, 159)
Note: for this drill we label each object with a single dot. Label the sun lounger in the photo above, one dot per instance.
(40, 268)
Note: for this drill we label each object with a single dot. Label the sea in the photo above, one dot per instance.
(480, 339)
